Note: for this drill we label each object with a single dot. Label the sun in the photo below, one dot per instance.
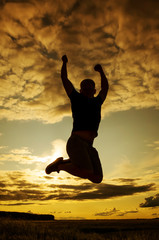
(56, 154)
(59, 148)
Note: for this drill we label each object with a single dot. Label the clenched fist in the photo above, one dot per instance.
(64, 59)
(98, 68)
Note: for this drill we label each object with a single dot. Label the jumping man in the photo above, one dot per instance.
(83, 159)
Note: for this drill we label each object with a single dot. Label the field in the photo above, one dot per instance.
(146, 229)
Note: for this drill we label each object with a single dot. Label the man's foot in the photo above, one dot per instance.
(53, 167)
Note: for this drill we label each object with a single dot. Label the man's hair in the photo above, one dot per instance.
(86, 82)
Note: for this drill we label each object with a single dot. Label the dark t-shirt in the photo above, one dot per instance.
(86, 112)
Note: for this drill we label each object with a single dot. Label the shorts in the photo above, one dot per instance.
(83, 154)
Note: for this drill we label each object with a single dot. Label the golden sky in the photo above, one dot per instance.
(35, 117)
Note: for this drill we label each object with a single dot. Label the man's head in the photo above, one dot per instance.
(88, 88)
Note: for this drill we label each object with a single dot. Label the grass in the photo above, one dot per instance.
(80, 230)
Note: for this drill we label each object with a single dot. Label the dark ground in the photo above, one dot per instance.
(139, 229)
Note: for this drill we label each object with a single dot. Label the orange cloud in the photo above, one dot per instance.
(27, 187)
(35, 34)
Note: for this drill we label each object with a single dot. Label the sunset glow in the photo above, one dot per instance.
(35, 115)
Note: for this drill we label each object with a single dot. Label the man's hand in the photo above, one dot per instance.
(98, 68)
(66, 82)
(64, 59)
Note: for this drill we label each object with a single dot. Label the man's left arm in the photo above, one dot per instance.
(104, 82)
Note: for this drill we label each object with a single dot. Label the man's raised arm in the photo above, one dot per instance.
(66, 82)
(104, 82)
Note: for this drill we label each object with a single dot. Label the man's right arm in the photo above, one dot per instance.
(66, 82)
(104, 82)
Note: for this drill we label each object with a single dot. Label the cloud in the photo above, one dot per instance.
(126, 180)
(107, 213)
(17, 204)
(3, 147)
(28, 186)
(106, 191)
(127, 212)
(147, 165)
(24, 155)
(154, 145)
(21, 151)
(35, 34)
(151, 202)
(21, 156)
(114, 212)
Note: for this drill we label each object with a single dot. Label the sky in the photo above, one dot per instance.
(35, 114)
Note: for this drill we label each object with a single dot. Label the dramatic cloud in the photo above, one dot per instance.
(22, 187)
(151, 202)
(106, 191)
(35, 34)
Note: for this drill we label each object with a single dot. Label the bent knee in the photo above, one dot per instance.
(96, 179)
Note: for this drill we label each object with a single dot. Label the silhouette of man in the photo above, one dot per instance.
(83, 159)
